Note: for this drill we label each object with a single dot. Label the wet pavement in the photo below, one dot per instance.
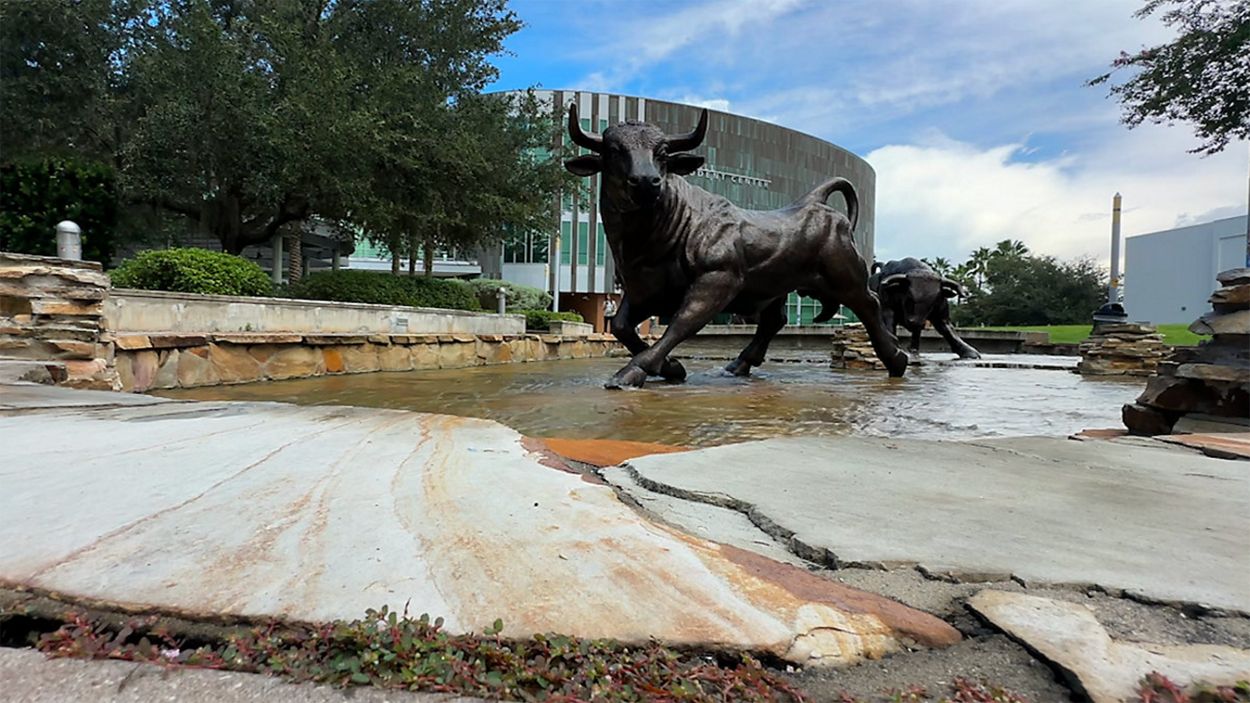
(566, 399)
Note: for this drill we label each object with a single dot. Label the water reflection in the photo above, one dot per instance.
(566, 399)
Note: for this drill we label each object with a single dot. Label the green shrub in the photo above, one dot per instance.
(193, 271)
(519, 298)
(541, 319)
(384, 289)
(36, 195)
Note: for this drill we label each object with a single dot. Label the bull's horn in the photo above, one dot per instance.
(954, 285)
(591, 141)
(893, 279)
(689, 140)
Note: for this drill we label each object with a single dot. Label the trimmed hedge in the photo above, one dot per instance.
(541, 319)
(385, 289)
(192, 270)
(37, 194)
(519, 298)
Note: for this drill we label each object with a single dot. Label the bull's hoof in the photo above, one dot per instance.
(629, 377)
(672, 371)
(896, 366)
(970, 354)
(738, 367)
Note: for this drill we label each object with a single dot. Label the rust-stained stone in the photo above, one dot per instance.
(462, 337)
(605, 452)
(167, 373)
(295, 362)
(424, 356)
(1228, 445)
(394, 358)
(1214, 372)
(256, 338)
(196, 369)
(380, 338)
(176, 341)
(233, 364)
(1070, 638)
(333, 358)
(334, 339)
(456, 355)
(424, 338)
(446, 338)
(73, 349)
(125, 374)
(1234, 277)
(460, 520)
(1232, 295)
(133, 341)
(51, 306)
(144, 365)
(490, 337)
(360, 358)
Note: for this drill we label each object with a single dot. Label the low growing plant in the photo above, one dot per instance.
(192, 270)
(390, 650)
(541, 319)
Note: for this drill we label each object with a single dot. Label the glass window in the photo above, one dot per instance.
(538, 249)
(583, 242)
(566, 241)
(601, 246)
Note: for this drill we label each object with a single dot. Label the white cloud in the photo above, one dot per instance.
(946, 198)
(720, 104)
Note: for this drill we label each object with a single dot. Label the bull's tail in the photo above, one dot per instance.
(838, 185)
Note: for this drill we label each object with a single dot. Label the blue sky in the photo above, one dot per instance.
(973, 112)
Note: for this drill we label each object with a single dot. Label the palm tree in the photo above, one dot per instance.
(941, 264)
(978, 265)
(1010, 248)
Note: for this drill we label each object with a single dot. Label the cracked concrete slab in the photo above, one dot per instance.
(1161, 524)
(1109, 671)
(217, 510)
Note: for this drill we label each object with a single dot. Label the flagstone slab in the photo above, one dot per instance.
(213, 510)
(1108, 671)
(1162, 522)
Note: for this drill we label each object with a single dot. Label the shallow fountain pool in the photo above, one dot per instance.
(566, 399)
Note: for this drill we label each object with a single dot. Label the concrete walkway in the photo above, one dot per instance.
(212, 510)
(29, 677)
(1162, 522)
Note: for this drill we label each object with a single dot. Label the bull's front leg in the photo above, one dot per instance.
(707, 296)
(625, 329)
(959, 346)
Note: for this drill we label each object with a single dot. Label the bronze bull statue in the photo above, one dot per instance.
(684, 253)
(911, 294)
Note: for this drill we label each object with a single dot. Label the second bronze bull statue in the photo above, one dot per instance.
(684, 253)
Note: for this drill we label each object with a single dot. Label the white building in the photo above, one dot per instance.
(1169, 275)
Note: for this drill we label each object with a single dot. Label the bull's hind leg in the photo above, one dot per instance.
(772, 319)
(846, 277)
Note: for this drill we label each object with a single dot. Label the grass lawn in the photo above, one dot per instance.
(1175, 334)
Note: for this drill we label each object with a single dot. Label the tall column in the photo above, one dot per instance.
(1113, 288)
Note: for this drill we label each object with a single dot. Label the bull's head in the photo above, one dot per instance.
(634, 158)
(920, 291)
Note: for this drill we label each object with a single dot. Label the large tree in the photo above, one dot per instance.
(246, 116)
(1200, 77)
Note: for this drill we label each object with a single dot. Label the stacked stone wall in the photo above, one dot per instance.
(52, 310)
(1204, 388)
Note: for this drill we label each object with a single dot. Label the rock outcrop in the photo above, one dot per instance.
(1122, 349)
(1204, 388)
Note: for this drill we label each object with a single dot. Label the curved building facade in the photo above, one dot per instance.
(755, 164)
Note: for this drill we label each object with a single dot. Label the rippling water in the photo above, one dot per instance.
(566, 399)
